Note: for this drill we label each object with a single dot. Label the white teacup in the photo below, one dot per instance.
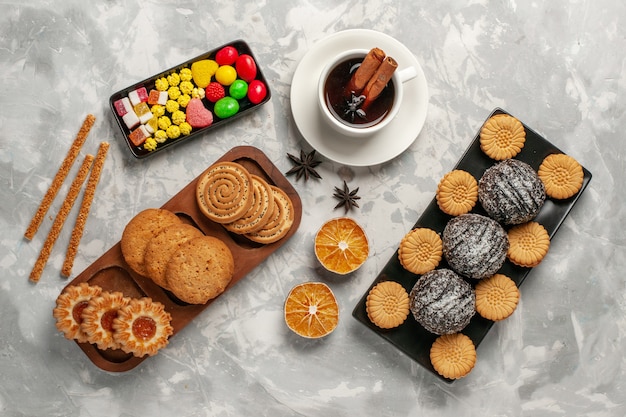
(400, 76)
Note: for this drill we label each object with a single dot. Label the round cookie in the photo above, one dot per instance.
(511, 192)
(453, 355)
(98, 318)
(200, 270)
(142, 327)
(442, 302)
(138, 232)
(70, 305)
(496, 297)
(161, 247)
(260, 210)
(529, 244)
(420, 250)
(224, 192)
(457, 192)
(387, 304)
(280, 222)
(502, 137)
(562, 176)
(474, 246)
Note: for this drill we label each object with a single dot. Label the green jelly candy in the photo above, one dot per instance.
(226, 107)
(238, 89)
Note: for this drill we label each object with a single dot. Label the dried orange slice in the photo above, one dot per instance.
(341, 245)
(311, 310)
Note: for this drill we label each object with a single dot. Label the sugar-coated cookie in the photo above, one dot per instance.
(161, 247)
(200, 270)
(138, 232)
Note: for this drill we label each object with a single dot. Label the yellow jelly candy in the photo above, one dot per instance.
(226, 75)
(202, 71)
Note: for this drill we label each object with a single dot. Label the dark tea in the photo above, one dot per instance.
(345, 106)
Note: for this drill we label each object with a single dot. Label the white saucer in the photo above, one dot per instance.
(380, 147)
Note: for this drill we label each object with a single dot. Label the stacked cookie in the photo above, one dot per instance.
(110, 320)
(177, 256)
(244, 203)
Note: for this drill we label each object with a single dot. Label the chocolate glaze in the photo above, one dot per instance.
(474, 246)
(511, 192)
(442, 302)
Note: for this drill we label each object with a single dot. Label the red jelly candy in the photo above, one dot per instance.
(246, 67)
(256, 91)
(214, 91)
(226, 56)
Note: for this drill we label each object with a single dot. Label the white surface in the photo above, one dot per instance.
(558, 65)
(381, 146)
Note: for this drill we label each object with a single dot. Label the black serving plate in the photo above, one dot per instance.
(410, 337)
(245, 106)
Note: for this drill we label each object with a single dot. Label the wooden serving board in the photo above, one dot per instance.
(111, 272)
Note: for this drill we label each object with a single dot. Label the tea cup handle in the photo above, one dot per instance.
(407, 74)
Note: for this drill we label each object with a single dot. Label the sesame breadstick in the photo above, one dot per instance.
(64, 169)
(54, 232)
(81, 219)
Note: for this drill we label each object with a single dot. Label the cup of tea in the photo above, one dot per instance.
(353, 111)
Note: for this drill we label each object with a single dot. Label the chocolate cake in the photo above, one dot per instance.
(511, 192)
(474, 246)
(442, 302)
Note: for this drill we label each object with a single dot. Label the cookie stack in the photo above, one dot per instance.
(177, 256)
(244, 203)
(110, 320)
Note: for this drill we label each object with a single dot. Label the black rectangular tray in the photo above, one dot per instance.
(410, 337)
(245, 106)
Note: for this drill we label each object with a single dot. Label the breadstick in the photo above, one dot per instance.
(64, 169)
(54, 232)
(81, 219)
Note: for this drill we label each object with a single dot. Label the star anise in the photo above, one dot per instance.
(304, 166)
(347, 198)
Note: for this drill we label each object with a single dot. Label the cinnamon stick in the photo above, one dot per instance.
(366, 70)
(377, 83)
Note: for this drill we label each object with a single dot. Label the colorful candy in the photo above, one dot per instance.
(238, 89)
(256, 91)
(225, 75)
(198, 116)
(226, 107)
(246, 67)
(157, 97)
(122, 106)
(138, 95)
(190, 98)
(226, 56)
(214, 91)
(202, 71)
